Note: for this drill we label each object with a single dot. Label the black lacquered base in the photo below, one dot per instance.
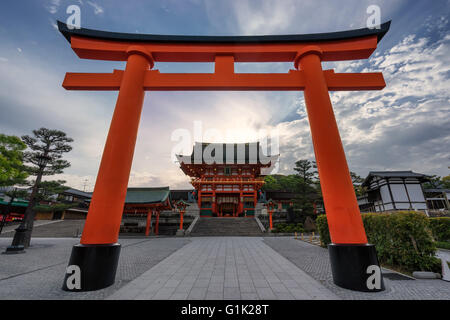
(91, 267)
(356, 267)
(14, 249)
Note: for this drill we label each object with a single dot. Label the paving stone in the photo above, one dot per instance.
(197, 294)
(179, 296)
(261, 283)
(203, 283)
(178, 268)
(315, 261)
(249, 296)
(232, 293)
(266, 294)
(214, 295)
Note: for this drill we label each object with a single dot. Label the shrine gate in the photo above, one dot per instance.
(97, 255)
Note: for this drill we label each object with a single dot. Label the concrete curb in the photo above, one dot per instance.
(260, 224)
(188, 230)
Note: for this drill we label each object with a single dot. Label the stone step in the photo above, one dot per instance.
(226, 227)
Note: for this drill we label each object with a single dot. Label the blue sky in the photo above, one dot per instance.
(406, 126)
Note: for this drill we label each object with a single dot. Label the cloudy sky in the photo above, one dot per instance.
(406, 126)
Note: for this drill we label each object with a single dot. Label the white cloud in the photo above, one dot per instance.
(97, 8)
(53, 6)
(247, 17)
(404, 126)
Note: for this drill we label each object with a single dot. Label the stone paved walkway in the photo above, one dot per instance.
(39, 273)
(198, 268)
(225, 268)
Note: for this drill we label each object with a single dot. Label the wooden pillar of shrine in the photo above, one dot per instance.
(149, 222)
(157, 223)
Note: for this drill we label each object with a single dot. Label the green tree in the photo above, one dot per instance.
(308, 188)
(44, 158)
(305, 169)
(435, 182)
(357, 181)
(446, 182)
(289, 182)
(271, 183)
(13, 195)
(47, 191)
(12, 171)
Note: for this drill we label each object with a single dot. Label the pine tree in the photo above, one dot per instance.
(44, 159)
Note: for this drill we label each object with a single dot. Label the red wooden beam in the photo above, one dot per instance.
(292, 81)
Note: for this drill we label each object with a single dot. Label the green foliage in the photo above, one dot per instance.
(305, 170)
(281, 182)
(357, 181)
(288, 228)
(12, 171)
(402, 238)
(443, 245)
(47, 189)
(322, 228)
(16, 193)
(436, 182)
(446, 182)
(50, 145)
(53, 208)
(46, 192)
(271, 183)
(440, 228)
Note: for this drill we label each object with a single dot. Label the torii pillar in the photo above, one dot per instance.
(106, 208)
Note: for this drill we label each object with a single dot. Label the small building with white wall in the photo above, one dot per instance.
(393, 190)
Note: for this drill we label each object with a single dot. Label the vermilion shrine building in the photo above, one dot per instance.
(227, 182)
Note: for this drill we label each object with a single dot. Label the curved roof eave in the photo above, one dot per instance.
(312, 37)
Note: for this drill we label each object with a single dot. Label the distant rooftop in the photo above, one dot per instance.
(147, 195)
(394, 174)
(239, 153)
(78, 193)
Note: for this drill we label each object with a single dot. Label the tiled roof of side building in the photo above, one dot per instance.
(78, 193)
(147, 195)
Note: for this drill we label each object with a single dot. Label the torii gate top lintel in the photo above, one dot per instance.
(342, 45)
(224, 51)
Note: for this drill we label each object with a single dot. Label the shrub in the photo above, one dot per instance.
(322, 227)
(402, 238)
(443, 245)
(288, 228)
(440, 228)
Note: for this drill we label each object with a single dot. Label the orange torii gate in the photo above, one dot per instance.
(353, 260)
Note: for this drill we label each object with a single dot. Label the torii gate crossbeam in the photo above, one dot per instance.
(97, 254)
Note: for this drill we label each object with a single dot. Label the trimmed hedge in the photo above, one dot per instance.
(288, 228)
(440, 228)
(443, 245)
(402, 238)
(322, 228)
